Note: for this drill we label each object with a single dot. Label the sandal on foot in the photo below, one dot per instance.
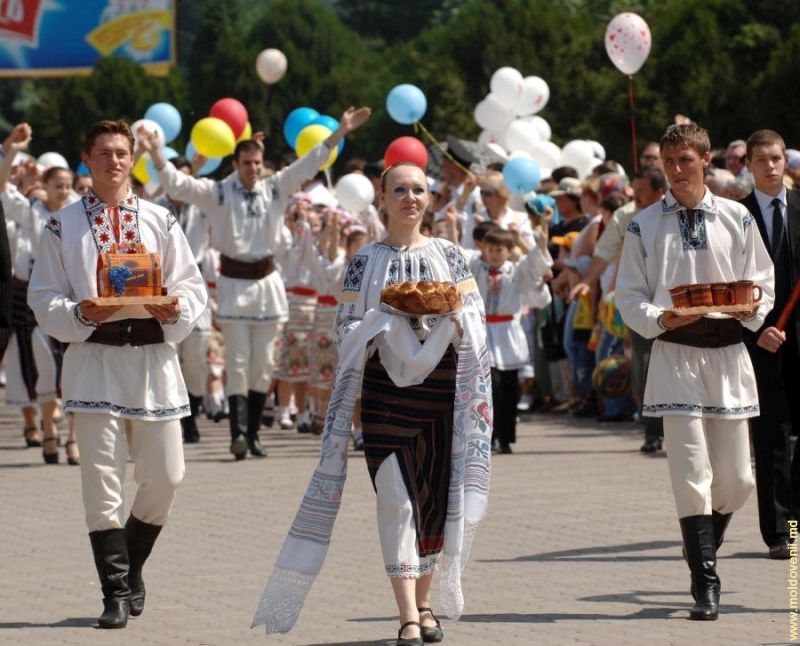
(409, 641)
(72, 459)
(50, 458)
(431, 634)
(31, 435)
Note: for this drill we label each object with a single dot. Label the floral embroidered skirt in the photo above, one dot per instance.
(295, 343)
(324, 354)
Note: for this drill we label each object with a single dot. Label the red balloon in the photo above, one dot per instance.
(231, 112)
(406, 149)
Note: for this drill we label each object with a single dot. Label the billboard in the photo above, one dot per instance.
(62, 37)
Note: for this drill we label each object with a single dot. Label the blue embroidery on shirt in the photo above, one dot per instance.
(355, 273)
(692, 224)
(458, 264)
(633, 227)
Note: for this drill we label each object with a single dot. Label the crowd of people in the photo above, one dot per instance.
(565, 310)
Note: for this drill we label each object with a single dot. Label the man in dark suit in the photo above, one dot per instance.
(775, 353)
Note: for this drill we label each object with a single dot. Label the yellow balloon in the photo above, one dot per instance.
(213, 137)
(247, 133)
(140, 170)
(312, 135)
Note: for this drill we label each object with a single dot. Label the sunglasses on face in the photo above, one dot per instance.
(487, 192)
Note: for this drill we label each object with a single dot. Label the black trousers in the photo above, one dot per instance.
(777, 477)
(505, 397)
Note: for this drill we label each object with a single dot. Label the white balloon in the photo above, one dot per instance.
(271, 65)
(597, 149)
(355, 192)
(520, 153)
(489, 137)
(578, 154)
(547, 155)
(628, 42)
(150, 126)
(491, 114)
(520, 135)
(506, 85)
(535, 95)
(52, 159)
(541, 125)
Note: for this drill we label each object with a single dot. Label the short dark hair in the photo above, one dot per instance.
(180, 161)
(613, 201)
(686, 134)
(247, 146)
(481, 229)
(107, 127)
(557, 174)
(764, 138)
(499, 236)
(656, 177)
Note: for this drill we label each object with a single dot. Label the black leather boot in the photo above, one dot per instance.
(141, 537)
(701, 555)
(237, 419)
(189, 424)
(255, 406)
(111, 560)
(720, 522)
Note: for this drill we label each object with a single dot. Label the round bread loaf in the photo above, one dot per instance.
(422, 297)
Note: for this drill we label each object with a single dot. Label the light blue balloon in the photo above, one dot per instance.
(167, 116)
(330, 123)
(167, 152)
(521, 175)
(406, 103)
(82, 171)
(209, 167)
(297, 119)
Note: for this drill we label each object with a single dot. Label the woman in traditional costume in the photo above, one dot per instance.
(425, 391)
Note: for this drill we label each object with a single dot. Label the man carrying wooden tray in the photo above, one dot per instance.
(700, 379)
(121, 376)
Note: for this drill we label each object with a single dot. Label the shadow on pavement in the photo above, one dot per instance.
(69, 622)
(596, 553)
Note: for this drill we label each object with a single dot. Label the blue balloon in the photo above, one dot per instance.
(209, 167)
(82, 171)
(167, 116)
(521, 175)
(167, 152)
(297, 119)
(330, 123)
(406, 103)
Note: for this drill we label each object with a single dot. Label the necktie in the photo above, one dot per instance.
(777, 225)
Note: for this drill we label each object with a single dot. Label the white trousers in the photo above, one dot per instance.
(396, 527)
(105, 442)
(709, 464)
(46, 386)
(194, 361)
(249, 355)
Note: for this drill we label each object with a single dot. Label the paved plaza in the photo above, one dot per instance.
(580, 546)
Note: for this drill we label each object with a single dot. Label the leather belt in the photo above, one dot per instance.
(128, 332)
(233, 268)
(706, 333)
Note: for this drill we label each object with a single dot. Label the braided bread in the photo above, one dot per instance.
(422, 297)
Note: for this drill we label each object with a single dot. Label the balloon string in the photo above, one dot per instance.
(633, 125)
(419, 127)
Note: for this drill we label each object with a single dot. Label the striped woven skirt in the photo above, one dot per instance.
(411, 427)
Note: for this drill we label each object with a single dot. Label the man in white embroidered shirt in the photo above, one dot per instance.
(246, 214)
(700, 379)
(121, 376)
